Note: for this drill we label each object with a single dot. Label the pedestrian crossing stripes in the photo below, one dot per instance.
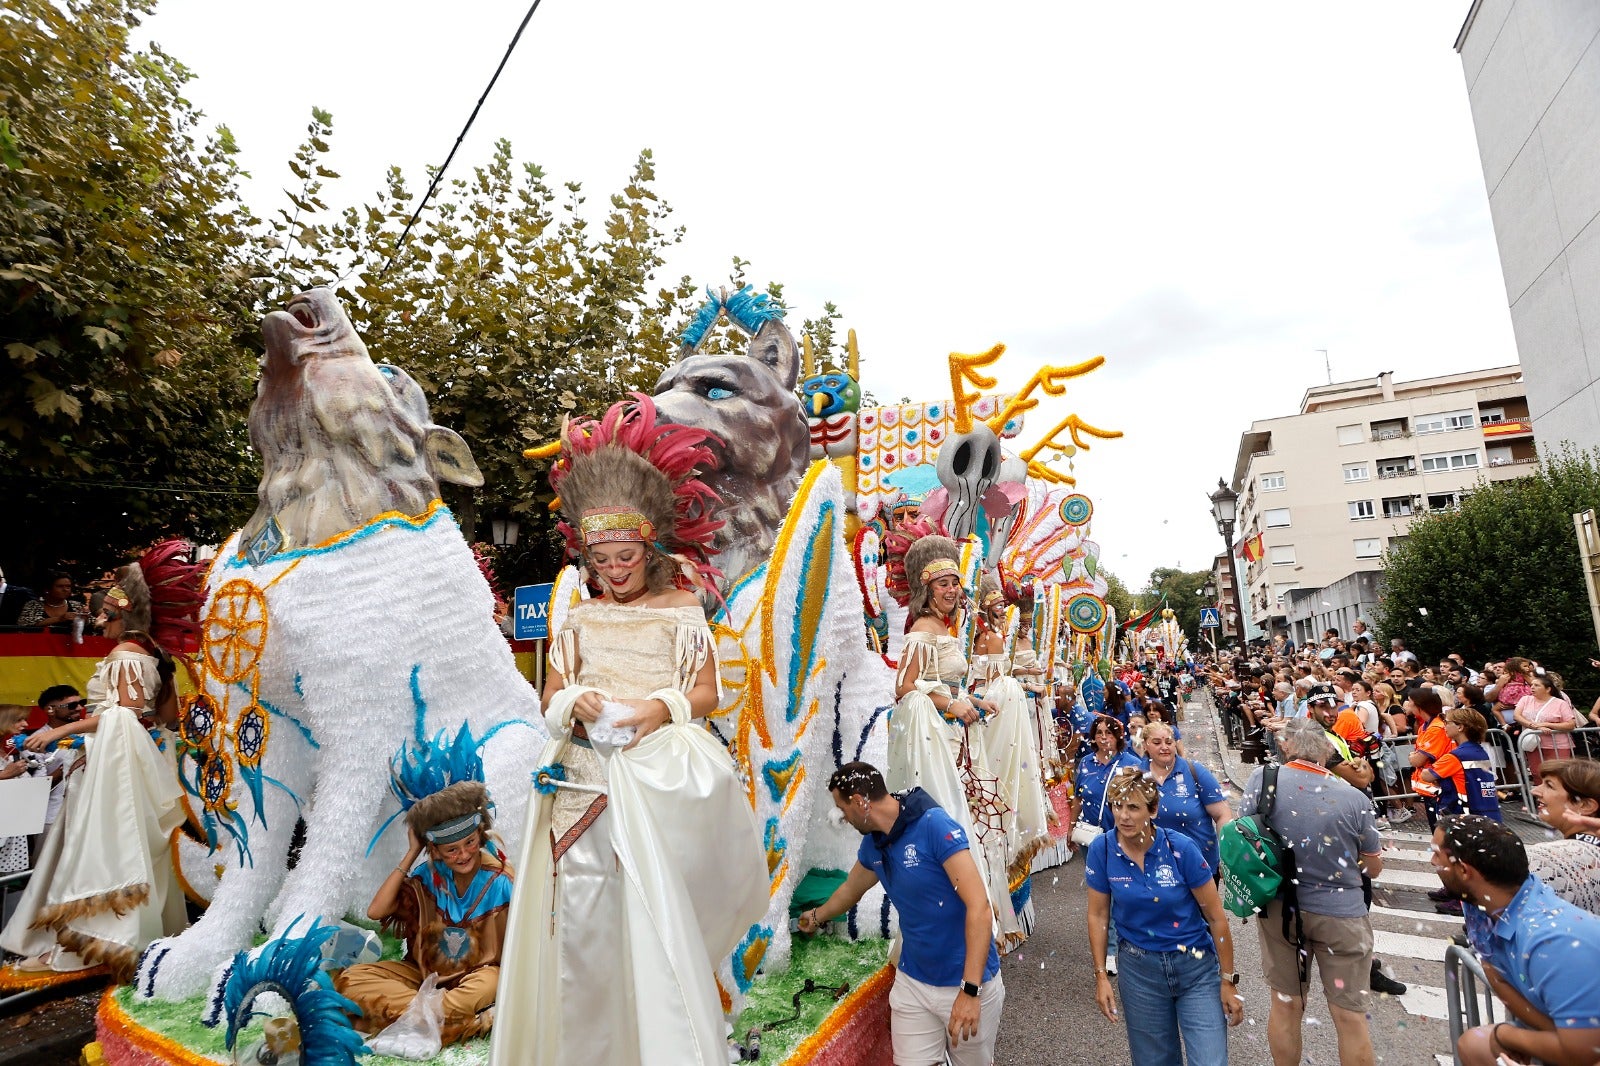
(1407, 878)
(1380, 911)
(1409, 945)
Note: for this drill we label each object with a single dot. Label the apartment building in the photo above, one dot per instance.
(1533, 81)
(1330, 488)
(1222, 571)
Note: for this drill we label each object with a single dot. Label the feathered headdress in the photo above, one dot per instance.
(914, 557)
(422, 768)
(1018, 591)
(896, 544)
(989, 594)
(161, 595)
(291, 966)
(628, 469)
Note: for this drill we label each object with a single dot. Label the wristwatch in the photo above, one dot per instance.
(970, 989)
(1232, 978)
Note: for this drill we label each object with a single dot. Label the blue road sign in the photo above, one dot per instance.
(531, 612)
(1210, 617)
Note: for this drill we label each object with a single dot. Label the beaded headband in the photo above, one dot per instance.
(939, 568)
(615, 524)
(455, 829)
(992, 597)
(118, 599)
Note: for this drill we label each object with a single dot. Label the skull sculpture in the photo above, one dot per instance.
(968, 465)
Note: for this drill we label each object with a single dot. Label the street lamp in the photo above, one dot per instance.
(503, 532)
(1225, 510)
(1209, 590)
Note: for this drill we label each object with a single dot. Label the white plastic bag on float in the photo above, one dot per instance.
(418, 1033)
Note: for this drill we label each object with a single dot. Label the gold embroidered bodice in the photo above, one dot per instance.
(630, 652)
(626, 653)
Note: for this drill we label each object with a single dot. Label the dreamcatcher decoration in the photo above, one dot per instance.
(1076, 509)
(984, 800)
(225, 725)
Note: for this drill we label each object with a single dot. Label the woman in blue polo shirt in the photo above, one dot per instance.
(1192, 802)
(1179, 991)
(1108, 743)
(1108, 753)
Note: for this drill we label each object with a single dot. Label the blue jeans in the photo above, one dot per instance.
(1171, 994)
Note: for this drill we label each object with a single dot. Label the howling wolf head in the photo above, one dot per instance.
(748, 401)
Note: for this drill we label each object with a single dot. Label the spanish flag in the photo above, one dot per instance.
(1252, 548)
(32, 662)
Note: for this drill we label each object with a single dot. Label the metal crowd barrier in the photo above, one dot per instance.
(1400, 747)
(1464, 981)
(11, 886)
(1504, 748)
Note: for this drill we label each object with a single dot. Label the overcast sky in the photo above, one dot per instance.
(1206, 194)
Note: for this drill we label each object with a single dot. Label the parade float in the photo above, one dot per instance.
(291, 724)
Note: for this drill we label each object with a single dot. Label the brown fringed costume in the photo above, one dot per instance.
(453, 932)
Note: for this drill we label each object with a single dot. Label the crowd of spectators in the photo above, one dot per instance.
(61, 604)
(1363, 738)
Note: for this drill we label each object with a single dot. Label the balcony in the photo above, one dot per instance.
(1389, 431)
(1507, 429)
(1385, 475)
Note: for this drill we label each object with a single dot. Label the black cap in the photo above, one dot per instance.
(1320, 693)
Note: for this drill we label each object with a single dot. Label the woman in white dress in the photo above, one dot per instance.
(932, 729)
(641, 866)
(1011, 742)
(103, 887)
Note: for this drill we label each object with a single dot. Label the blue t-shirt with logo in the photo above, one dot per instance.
(909, 863)
(1185, 795)
(1153, 908)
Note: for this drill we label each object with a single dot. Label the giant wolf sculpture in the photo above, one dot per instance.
(749, 403)
(346, 621)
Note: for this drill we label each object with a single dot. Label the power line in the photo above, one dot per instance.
(142, 487)
(439, 175)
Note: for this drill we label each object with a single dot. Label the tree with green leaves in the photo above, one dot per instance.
(129, 283)
(1118, 598)
(1180, 590)
(506, 302)
(1501, 575)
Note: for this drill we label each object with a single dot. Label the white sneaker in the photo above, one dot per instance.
(1111, 965)
(1383, 823)
(1402, 816)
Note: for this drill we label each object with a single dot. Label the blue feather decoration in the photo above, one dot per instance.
(291, 966)
(700, 325)
(420, 771)
(751, 310)
(415, 773)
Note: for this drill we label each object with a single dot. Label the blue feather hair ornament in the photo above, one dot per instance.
(750, 310)
(419, 771)
(291, 966)
(695, 333)
(416, 772)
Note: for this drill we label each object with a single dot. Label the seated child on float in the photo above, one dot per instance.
(452, 912)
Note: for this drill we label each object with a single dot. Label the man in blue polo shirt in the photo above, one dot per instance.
(1537, 949)
(947, 994)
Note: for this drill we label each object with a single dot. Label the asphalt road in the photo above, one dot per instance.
(1051, 1018)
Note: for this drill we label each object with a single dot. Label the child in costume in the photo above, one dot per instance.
(452, 912)
(641, 862)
